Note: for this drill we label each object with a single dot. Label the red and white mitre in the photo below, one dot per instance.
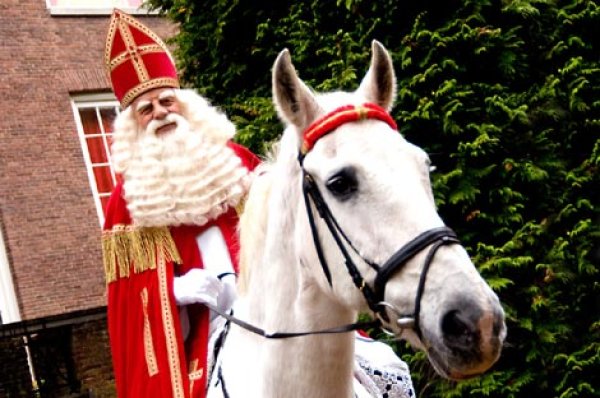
(136, 59)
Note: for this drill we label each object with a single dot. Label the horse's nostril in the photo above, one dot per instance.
(452, 324)
(457, 328)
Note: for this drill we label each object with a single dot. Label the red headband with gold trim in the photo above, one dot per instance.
(342, 115)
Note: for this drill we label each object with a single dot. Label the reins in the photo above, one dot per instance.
(286, 335)
(275, 335)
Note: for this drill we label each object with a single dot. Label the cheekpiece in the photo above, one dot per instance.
(136, 59)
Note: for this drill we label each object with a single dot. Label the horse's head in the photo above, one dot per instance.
(375, 187)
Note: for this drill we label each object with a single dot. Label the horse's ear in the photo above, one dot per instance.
(379, 84)
(294, 101)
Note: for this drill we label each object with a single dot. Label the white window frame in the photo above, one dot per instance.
(100, 100)
(101, 7)
(9, 307)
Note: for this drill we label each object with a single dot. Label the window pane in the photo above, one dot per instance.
(103, 179)
(108, 116)
(89, 121)
(96, 149)
(104, 200)
(94, 115)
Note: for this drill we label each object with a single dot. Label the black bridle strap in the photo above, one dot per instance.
(286, 335)
(310, 190)
(222, 381)
(408, 251)
(325, 213)
(445, 240)
(315, 235)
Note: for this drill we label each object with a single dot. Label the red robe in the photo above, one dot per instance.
(150, 358)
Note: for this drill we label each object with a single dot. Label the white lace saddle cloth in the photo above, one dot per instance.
(378, 372)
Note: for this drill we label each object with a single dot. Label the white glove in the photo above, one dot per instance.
(228, 294)
(197, 286)
(216, 258)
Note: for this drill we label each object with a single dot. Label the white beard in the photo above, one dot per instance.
(183, 177)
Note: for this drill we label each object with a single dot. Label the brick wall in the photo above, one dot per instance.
(46, 207)
(91, 354)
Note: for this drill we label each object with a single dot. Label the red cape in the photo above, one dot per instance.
(150, 358)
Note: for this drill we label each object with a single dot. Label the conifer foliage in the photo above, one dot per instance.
(505, 97)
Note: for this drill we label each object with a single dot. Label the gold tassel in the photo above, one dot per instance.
(108, 260)
(125, 247)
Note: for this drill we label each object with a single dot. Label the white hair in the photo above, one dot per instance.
(189, 176)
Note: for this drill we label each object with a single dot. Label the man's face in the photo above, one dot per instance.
(155, 105)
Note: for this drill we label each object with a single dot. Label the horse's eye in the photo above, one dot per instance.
(343, 184)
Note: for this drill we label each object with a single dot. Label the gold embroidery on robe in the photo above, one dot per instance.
(195, 374)
(148, 345)
(169, 328)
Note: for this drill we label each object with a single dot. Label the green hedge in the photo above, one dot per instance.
(505, 96)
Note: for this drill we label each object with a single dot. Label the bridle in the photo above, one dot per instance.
(436, 237)
(374, 296)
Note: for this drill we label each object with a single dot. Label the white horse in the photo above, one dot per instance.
(377, 196)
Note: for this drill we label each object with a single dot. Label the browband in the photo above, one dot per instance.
(339, 116)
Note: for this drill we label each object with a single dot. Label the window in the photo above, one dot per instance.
(94, 116)
(94, 7)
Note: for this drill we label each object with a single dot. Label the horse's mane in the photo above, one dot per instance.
(253, 226)
(253, 221)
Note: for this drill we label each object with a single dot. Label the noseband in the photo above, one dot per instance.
(436, 237)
